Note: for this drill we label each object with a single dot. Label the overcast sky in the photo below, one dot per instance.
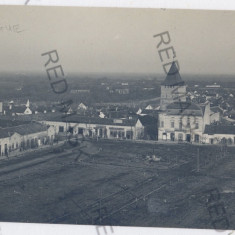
(106, 40)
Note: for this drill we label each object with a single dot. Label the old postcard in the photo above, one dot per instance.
(117, 117)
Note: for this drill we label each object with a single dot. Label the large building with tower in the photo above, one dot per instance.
(180, 119)
(173, 88)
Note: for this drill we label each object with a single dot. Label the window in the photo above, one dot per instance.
(129, 134)
(115, 134)
(61, 129)
(188, 122)
(162, 123)
(180, 125)
(196, 125)
(164, 136)
(172, 124)
(90, 133)
(70, 129)
(196, 138)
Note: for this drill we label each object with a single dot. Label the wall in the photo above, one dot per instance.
(217, 138)
(101, 130)
(4, 141)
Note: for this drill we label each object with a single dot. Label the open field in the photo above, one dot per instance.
(106, 182)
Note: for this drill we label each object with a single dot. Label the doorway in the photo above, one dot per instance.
(188, 138)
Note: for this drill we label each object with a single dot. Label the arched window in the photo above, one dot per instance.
(230, 141)
(223, 140)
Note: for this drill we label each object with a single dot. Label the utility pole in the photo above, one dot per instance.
(198, 160)
(100, 206)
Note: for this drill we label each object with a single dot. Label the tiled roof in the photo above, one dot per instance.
(92, 120)
(216, 109)
(25, 129)
(214, 129)
(4, 133)
(10, 122)
(148, 120)
(184, 108)
(184, 105)
(173, 77)
(18, 109)
(151, 112)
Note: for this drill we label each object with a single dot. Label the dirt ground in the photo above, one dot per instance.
(116, 183)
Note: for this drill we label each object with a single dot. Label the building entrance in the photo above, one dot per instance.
(188, 138)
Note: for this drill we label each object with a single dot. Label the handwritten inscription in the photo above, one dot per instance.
(11, 28)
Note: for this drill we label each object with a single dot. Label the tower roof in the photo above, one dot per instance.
(173, 77)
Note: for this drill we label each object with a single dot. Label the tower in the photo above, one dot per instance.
(27, 104)
(172, 88)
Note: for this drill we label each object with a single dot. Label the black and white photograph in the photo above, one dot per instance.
(117, 117)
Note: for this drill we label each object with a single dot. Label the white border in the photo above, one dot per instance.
(46, 229)
(173, 4)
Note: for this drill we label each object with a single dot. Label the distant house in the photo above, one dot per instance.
(219, 134)
(12, 110)
(210, 95)
(139, 111)
(122, 90)
(102, 115)
(42, 109)
(150, 124)
(21, 110)
(149, 107)
(79, 91)
(82, 106)
(124, 84)
(152, 107)
(215, 85)
(216, 114)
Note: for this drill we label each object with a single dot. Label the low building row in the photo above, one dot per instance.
(133, 128)
(26, 136)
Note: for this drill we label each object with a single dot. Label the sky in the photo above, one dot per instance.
(111, 40)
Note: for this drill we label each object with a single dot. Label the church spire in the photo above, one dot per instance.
(173, 77)
(27, 104)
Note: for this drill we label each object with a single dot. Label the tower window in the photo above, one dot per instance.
(188, 122)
